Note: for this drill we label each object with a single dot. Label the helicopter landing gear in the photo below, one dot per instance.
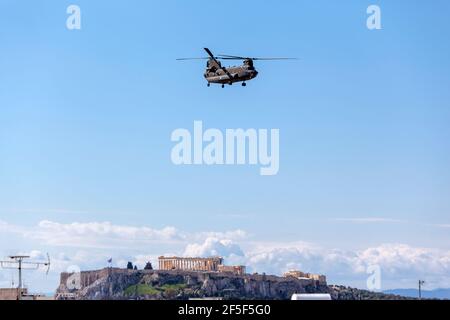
(244, 84)
(209, 84)
(223, 86)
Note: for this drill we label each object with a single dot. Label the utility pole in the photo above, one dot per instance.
(18, 263)
(421, 283)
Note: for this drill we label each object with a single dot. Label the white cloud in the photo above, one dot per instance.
(216, 247)
(7, 227)
(90, 245)
(442, 225)
(231, 235)
(368, 220)
(99, 234)
(44, 211)
(399, 263)
(108, 235)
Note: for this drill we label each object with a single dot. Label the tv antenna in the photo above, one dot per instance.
(20, 263)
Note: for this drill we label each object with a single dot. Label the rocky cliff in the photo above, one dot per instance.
(119, 284)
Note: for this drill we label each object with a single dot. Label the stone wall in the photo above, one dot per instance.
(300, 275)
(237, 270)
(71, 282)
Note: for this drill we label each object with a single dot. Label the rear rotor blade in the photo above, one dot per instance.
(183, 59)
(229, 57)
(226, 58)
(274, 59)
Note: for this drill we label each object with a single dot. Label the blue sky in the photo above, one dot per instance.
(86, 118)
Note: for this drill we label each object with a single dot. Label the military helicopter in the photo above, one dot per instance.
(216, 73)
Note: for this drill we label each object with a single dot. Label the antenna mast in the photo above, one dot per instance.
(421, 283)
(19, 263)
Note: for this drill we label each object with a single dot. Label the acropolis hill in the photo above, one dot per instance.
(224, 282)
(161, 284)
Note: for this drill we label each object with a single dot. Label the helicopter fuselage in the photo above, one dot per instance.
(217, 74)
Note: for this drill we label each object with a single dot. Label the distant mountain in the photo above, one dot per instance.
(414, 293)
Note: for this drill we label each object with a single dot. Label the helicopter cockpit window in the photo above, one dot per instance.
(249, 64)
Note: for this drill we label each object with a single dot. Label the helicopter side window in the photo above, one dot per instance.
(213, 67)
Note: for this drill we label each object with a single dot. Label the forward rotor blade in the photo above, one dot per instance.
(228, 57)
(209, 53)
(218, 63)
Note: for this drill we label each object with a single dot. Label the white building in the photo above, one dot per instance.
(311, 297)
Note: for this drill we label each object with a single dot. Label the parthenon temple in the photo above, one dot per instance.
(190, 264)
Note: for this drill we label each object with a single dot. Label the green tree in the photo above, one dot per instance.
(148, 266)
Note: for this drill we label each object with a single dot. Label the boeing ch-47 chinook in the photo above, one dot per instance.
(216, 73)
